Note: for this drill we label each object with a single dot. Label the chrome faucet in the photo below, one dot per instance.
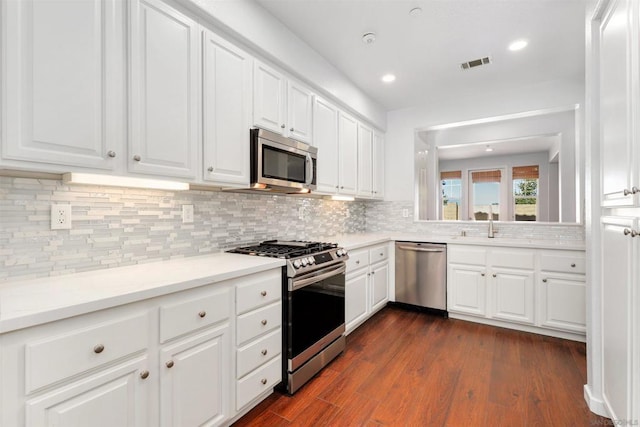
(492, 231)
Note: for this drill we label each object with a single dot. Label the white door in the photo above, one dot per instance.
(365, 161)
(195, 380)
(379, 286)
(268, 98)
(64, 82)
(356, 297)
(378, 166)
(164, 90)
(117, 396)
(513, 295)
(563, 301)
(300, 112)
(325, 138)
(226, 103)
(466, 290)
(619, 252)
(348, 157)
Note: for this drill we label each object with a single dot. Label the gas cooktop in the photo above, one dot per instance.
(284, 248)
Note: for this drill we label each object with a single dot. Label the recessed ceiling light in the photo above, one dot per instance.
(388, 78)
(488, 149)
(518, 45)
(416, 11)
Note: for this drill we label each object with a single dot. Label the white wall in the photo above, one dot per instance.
(402, 124)
(253, 25)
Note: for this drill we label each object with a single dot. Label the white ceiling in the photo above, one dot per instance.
(425, 51)
(534, 144)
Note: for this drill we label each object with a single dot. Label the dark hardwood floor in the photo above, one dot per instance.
(404, 368)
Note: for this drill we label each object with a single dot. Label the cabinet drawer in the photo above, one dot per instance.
(379, 253)
(62, 356)
(199, 310)
(263, 290)
(512, 258)
(259, 381)
(466, 255)
(563, 262)
(259, 321)
(357, 259)
(258, 352)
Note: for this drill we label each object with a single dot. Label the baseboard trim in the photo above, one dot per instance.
(596, 406)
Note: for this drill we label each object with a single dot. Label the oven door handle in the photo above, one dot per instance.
(301, 283)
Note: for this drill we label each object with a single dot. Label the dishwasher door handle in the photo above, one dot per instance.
(410, 248)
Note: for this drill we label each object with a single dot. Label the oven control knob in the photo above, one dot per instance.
(339, 252)
(304, 262)
(311, 260)
(297, 263)
(344, 252)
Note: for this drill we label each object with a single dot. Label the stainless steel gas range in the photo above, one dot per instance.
(313, 305)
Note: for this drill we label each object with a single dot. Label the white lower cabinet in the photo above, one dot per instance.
(367, 284)
(167, 361)
(541, 290)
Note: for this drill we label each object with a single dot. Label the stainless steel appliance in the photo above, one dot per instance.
(281, 164)
(313, 305)
(421, 275)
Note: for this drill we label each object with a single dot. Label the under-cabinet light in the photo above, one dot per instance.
(122, 181)
(343, 198)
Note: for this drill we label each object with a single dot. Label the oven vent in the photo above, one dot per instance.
(476, 63)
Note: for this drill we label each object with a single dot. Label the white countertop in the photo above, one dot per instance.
(31, 302)
(355, 241)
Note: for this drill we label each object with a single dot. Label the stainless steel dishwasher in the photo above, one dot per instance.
(421, 275)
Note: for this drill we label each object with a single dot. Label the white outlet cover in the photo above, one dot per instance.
(60, 217)
(187, 214)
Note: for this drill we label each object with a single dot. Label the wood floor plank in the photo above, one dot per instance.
(404, 368)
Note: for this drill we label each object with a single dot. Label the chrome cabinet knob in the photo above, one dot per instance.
(263, 381)
(282, 126)
(357, 261)
(337, 186)
(573, 264)
(264, 352)
(111, 153)
(482, 274)
(169, 364)
(144, 375)
(627, 192)
(202, 313)
(98, 349)
(263, 293)
(544, 280)
(634, 233)
(493, 275)
(635, 190)
(264, 322)
(628, 231)
(290, 129)
(137, 158)
(373, 272)
(210, 168)
(341, 187)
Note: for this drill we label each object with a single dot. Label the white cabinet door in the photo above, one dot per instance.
(325, 138)
(356, 297)
(379, 286)
(268, 98)
(195, 379)
(619, 309)
(117, 396)
(563, 301)
(164, 90)
(348, 157)
(63, 82)
(513, 295)
(466, 289)
(378, 166)
(299, 111)
(619, 155)
(365, 161)
(226, 111)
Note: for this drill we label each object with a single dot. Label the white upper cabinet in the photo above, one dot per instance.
(64, 82)
(226, 111)
(618, 86)
(281, 105)
(164, 61)
(325, 138)
(378, 166)
(365, 159)
(348, 154)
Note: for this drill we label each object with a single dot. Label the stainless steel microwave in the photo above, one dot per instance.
(281, 164)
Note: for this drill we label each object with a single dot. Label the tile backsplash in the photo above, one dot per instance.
(122, 226)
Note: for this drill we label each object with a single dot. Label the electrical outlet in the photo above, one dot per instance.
(60, 217)
(405, 213)
(187, 214)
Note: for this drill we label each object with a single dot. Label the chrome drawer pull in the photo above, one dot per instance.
(544, 280)
(264, 352)
(573, 264)
(263, 381)
(202, 313)
(144, 375)
(169, 364)
(263, 293)
(98, 349)
(264, 321)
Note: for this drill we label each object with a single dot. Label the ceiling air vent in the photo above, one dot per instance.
(476, 63)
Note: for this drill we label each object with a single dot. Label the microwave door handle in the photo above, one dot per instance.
(309, 170)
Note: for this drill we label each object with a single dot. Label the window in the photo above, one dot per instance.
(485, 194)
(525, 192)
(451, 195)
